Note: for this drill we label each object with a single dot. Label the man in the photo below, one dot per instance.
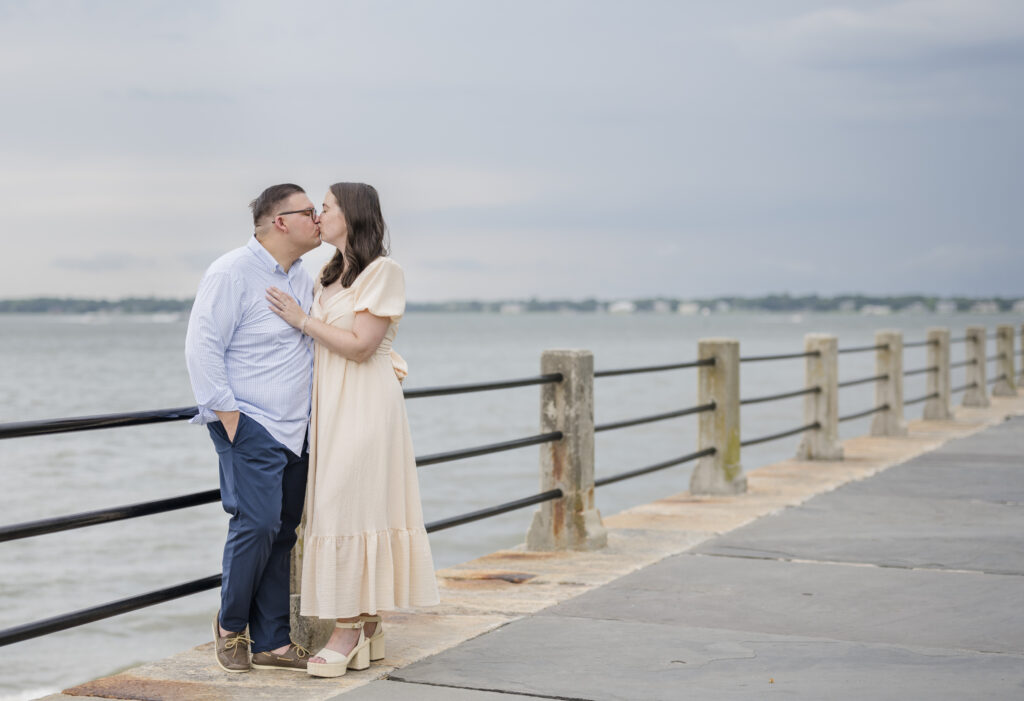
(252, 377)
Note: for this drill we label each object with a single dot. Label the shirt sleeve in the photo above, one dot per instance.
(381, 290)
(215, 316)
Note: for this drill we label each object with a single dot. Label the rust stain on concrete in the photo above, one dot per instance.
(510, 577)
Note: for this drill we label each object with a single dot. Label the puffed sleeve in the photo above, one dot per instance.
(381, 289)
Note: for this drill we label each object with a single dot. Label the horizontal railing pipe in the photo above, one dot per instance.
(450, 456)
(116, 513)
(867, 412)
(918, 344)
(920, 371)
(918, 400)
(961, 388)
(863, 380)
(782, 434)
(861, 349)
(453, 521)
(21, 429)
(783, 395)
(109, 610)
(655, 368)
(600, 482)
(964, 363)
(482, 386)
(655, 417)
(782, 356)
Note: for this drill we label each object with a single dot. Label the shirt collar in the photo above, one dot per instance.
(268, 261)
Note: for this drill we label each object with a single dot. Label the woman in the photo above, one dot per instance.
(364, 545)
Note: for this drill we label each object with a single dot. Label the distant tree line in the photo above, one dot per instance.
(129, 305)
(767, 303)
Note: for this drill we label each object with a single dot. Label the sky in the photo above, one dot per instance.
(551, 149)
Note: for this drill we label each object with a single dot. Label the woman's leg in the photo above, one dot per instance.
(342, 639)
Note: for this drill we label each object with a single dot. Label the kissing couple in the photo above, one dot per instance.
(298, 386)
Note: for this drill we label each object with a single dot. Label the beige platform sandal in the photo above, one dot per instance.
(336, 663)
(377, 647)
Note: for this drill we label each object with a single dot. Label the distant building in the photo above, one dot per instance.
(661, 306)
(688, 308)
(1018, 306)
(985, 308)
(623, 307)
(847, 305)
(915, 308)
(876, 309)
(945, 306)
(512, 308)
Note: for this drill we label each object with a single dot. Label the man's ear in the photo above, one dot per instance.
(280, 225)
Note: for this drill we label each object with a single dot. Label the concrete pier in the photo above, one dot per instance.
(894, 573)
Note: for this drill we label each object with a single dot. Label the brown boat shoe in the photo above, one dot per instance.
(294, 658)
(232, 650)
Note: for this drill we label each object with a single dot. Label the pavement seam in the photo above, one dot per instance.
(492, 691)
(850, 563)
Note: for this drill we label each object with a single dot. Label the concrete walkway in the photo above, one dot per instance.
(894, 573)
(908, 584)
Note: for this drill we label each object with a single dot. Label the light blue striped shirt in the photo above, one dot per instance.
(241, 356)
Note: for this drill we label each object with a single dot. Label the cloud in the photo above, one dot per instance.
(916, 35)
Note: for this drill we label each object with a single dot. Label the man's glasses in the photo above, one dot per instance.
(309, 212)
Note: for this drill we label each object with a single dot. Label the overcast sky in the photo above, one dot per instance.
(550, 149)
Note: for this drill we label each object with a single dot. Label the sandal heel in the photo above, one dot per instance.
(378, 649)
(361, 659)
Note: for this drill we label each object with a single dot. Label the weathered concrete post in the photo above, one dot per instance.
(1006, 387)
(1021, 376)
(937, 408)
(720, 473)
(889, 391)
(821, 371)
(977, 393)
(572, 522)
(311, 633)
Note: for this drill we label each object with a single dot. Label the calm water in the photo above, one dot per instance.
(66, 366)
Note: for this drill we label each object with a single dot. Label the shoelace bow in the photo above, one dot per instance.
(300, 651)
(234, 640)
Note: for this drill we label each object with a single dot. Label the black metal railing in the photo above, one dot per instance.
(435, 458)
(781, 434)
(862, 414)
(920, 371)
(118, 513)
(706, 362)
(918, 400)
(782, 395)
(862, 380)
(863, 349)
(779, 356)
(654, 417)
(653, 468)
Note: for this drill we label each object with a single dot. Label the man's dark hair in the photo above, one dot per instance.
(270, 198)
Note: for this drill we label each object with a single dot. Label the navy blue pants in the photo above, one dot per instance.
(262, 486)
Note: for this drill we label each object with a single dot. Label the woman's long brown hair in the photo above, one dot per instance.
(366, 233)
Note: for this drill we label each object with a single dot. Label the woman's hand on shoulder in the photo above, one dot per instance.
(285, 306)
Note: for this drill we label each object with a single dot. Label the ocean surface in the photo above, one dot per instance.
(61, 366)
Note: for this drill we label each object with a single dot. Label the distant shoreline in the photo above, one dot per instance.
(852, 303)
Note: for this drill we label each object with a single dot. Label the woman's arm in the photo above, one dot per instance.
(359, 344)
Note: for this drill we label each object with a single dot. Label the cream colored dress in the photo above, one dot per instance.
(364, 545)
